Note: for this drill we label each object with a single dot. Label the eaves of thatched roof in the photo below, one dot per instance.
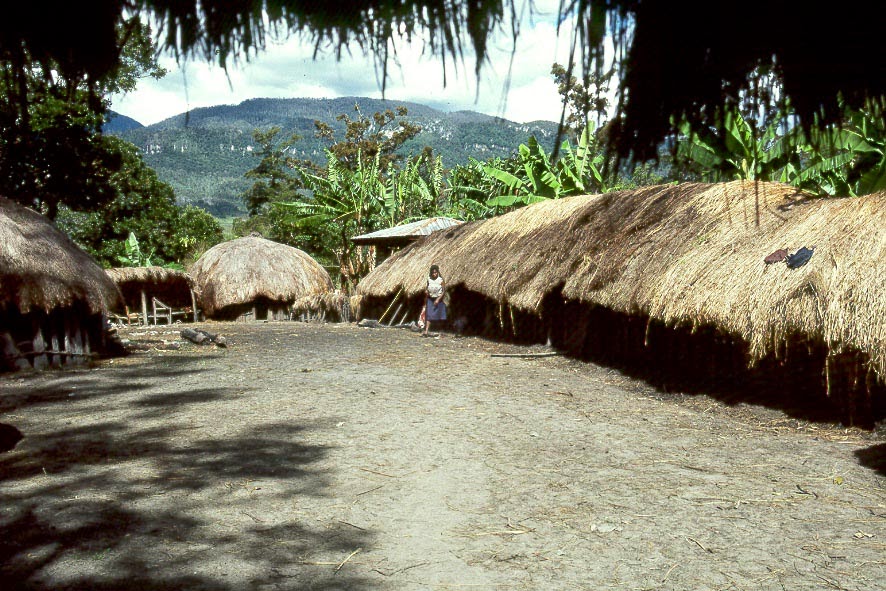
(687, 254)
(406, 233)
(41, 268)
(251, 268)
(149, 275)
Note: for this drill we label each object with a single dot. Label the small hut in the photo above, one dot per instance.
(54, 297)
(255, 276)
(673, 279)
(155, 294)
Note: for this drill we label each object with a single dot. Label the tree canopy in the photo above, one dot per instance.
(673, 60)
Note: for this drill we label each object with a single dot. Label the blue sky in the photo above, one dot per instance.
(287, 69)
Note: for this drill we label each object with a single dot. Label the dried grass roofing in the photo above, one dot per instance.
(149, 275)
(171, 286)
(247, 269)
(41, 268)
(688, 254)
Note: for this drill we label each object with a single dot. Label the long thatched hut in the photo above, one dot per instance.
(53, 296)
(258, 276)
(673, 278)
(156, 293)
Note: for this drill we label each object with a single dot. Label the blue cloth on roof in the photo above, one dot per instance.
(799, 258)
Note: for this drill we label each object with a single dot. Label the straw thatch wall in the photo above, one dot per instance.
(53, 296)
(139, 284)
(256, 274)
(326, 307)
(685, 257)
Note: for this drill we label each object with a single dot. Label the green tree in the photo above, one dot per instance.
(142, 206)
(51, 148)
(273, 176)
(365, 137)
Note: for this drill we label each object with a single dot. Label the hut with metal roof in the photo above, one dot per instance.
(255, 277)
(155, 294)
(673, 281)
(54, 297)
(400, 236)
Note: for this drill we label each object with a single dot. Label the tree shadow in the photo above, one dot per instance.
(873, 457)
(137, 502)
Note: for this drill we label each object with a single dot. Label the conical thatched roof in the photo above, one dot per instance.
(41, 268)
(251, 268)
(686, 254)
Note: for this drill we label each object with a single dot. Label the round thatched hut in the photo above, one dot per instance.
(671, 282)
(154, 294)
(53, 296)
(253, 275)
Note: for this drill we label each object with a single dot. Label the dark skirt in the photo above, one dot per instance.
(435, 312)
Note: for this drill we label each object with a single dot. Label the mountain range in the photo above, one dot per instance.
(204, 153)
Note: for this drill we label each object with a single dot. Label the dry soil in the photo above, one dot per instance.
(310, 456)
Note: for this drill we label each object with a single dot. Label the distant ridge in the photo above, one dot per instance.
(204, 153)
(118, 123)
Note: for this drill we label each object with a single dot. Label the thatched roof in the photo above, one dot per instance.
(149, 276)
(41, 268)
(251, 268)
(406, 233)
(686, 254)
(669, 57)
(171, 286)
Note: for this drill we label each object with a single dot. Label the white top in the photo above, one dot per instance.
(435, 287)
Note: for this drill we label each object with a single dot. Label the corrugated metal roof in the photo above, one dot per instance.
(407, 232)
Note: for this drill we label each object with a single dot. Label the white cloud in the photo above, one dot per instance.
(288, 70)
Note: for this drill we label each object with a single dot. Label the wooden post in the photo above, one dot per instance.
(194, 305)
(396, 297)
(144, 308)
(154, 310)
(40, 360)
(56, 359)
(254, 313)
(73, 340)
(394, 315)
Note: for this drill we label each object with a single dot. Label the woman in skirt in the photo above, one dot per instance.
(435, 307)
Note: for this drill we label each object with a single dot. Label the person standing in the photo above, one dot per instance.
(435, 307)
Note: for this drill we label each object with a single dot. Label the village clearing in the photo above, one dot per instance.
(319, 457)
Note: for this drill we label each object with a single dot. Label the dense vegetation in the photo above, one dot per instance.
(205, 153)
(55, 159)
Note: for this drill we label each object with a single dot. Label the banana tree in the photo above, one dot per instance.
(850, 158)
(575, 173)
(342, 203)
(737, 151)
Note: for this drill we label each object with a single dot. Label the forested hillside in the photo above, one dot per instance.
(203, 154)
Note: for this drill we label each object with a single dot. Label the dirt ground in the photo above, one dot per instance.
(319, 457)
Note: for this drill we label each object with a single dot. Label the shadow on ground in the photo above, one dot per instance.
(873, 457)
(129, 501)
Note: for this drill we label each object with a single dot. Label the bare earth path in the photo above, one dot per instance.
(333, 457)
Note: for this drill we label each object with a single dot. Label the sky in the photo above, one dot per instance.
(287, 69)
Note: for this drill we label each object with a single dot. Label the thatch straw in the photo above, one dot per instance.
(41, 268)
(149, 275)
(171, 286)
(253, 268)
(330, 306)
(688, 254)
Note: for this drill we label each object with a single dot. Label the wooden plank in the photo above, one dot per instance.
(144, 308)
(194, 304)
